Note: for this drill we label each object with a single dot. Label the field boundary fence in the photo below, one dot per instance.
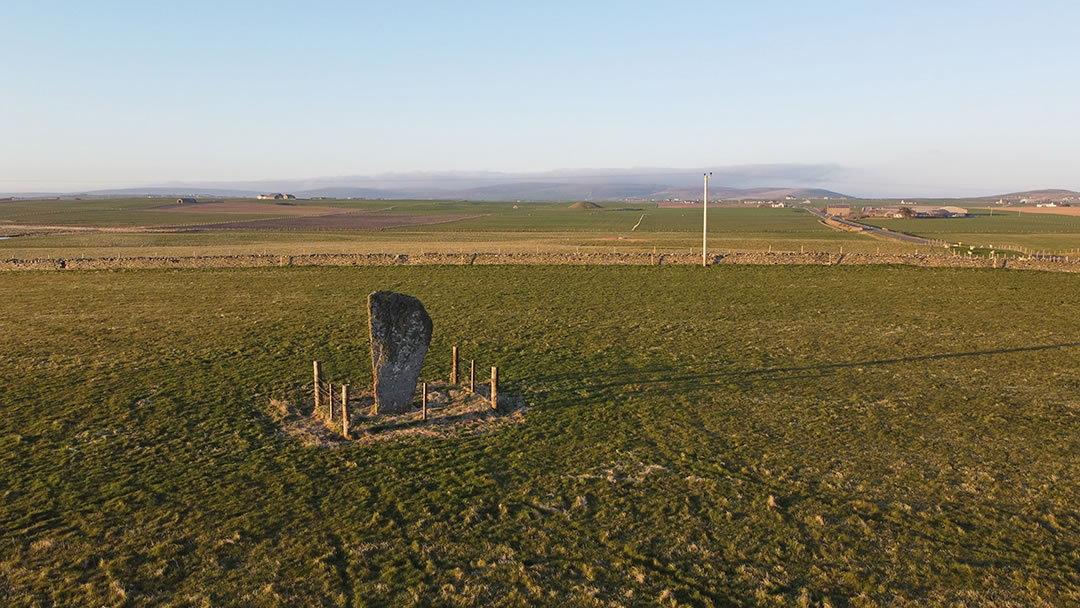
(932, 256)
(333, 402)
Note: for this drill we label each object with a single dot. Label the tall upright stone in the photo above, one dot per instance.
(400, 335)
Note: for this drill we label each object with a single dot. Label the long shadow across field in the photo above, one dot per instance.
(668, 377)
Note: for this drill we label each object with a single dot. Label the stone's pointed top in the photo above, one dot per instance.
(400, 335)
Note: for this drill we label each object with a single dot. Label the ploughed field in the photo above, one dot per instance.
(736, 435)
(337, 221)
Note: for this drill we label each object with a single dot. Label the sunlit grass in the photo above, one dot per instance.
(734, 435)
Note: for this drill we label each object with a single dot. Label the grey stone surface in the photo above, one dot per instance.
(400, 335)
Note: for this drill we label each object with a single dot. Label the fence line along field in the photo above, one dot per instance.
(734, 435)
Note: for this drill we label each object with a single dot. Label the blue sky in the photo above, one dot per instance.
(909, 98)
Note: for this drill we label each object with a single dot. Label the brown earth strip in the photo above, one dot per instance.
(353, 220)
(338, 221)
(39, 228)
(243, 208)
(1051, 210)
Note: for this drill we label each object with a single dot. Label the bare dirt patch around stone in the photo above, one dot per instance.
(453, 411)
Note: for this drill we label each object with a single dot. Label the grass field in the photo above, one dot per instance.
(491, 227)
(1003, 229)
(133, 227)
(769, 436)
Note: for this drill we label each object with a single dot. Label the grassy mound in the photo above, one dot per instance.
(585, 205)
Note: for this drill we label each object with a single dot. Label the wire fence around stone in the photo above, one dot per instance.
(336, 407)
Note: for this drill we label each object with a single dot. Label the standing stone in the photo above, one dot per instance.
(400, 335)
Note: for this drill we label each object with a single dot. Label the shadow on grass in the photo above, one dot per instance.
(673, 377)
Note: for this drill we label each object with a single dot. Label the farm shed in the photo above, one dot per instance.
(893, 212)
(838, 210)
(185, 201)
(928, 211)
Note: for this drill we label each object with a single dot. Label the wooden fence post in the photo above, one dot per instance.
(345, 410)
(472, 375)
(423, 398)
(454, 367)
(494, 388)
(330, 400)
(318, 373)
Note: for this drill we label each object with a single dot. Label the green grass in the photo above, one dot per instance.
(492, 227)
(622, 217)
(1049, 232)
(499, 226)
(727, 436)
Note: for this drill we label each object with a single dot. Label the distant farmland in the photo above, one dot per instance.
(1002, 229)
(336, 221)
(141, 227)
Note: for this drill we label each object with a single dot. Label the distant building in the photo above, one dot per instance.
(838, 209)
(928, 211)
(185, 201)
(276, 196)
(889, 212)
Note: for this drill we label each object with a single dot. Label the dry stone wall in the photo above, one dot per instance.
(578, 259)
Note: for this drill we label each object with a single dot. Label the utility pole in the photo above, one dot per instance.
(705, 222)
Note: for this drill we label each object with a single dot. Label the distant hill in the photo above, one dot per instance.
(585, 205)
(347, 192)
(638, 184)
(555, 191)
(175, 191)
(738, 194)
(731, 182)
(559, 191)
(1049, 194)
